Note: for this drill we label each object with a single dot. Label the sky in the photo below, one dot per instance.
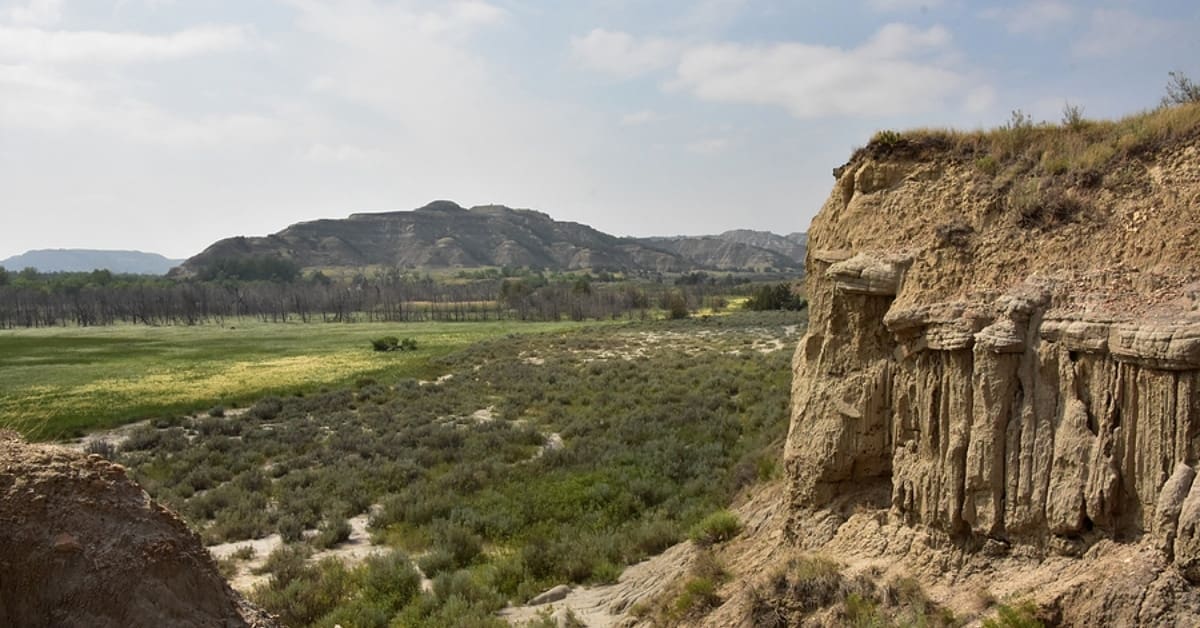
(165, 125)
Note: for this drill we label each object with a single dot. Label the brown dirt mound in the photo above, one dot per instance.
(81, 544)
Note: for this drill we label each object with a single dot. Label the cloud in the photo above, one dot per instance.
(903, 5)
(1032, 17)
(1112, 31)
(35, 13)
(35, 45)
(623, 55)
(890, 74)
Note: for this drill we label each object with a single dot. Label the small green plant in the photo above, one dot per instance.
(1072, 117)
(1023, 615)
(988, 165)
(392, 343)
(718, 527)
(385, 343)
(331, 532)
(245, 552)
(216, 411)
(886, 137)
(699, 594)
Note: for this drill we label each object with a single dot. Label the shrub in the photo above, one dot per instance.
(1180, 90)
(245, 552)
(216, 411)
(699, 594)
(886, 137)
(267, 408)
(290, 528)
(1023, 615)
(101, 447)
(286, 563)
(436, 562)
(717, 527)
(385, 343)
(1072, 117)
(390, 580)
(331, 532)
(309, 594)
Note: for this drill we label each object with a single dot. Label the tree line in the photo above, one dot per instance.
(32, 299)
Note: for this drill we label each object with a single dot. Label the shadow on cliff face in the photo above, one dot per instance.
(82, 545)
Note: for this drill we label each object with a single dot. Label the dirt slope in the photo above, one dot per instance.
(82, 545)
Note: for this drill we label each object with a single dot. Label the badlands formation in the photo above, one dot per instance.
(999, 389)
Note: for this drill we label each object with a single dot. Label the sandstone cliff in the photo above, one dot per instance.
(1006, 353)
(82, 545)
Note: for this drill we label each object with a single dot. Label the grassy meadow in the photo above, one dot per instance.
(61, 382)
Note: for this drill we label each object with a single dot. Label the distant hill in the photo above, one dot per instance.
(86, 260)
(717, 253)
(738, 249)
(792, 245)
(443, 234)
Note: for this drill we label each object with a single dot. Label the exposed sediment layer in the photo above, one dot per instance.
(1003, 380)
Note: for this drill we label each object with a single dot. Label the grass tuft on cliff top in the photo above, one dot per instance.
(1075, 146)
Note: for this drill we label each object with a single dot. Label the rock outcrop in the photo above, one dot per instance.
(82, 545)
(1003, 371)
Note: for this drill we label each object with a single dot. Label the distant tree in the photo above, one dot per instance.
(3, 276)
(777, 297)
(100, 277)
(676, 305)
(29, 273)
(1180, 90)
(320, 278)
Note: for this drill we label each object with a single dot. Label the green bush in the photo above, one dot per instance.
(1023, 615)
(717, 527)
(331, 532)
(386, 343)
(699, 595)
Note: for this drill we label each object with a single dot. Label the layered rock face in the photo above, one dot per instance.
(1006, 375)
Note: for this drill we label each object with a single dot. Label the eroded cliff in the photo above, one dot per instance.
(81, 544)
(1005, 354)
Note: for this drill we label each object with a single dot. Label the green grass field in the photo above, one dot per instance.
(62, 382)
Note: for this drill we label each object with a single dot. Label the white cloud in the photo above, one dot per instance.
(887, 75)
(637, 118)
(1032, 17)
(623, 55)
(35, 13)
(903, 5)
(34, 45)
(1111, 32)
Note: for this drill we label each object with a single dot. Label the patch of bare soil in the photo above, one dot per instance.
(351, 552)
(81, 544)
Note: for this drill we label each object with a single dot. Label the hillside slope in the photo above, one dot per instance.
(719, 253)
(445, 235)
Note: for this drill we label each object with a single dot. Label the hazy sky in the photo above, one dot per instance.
(164, 125)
